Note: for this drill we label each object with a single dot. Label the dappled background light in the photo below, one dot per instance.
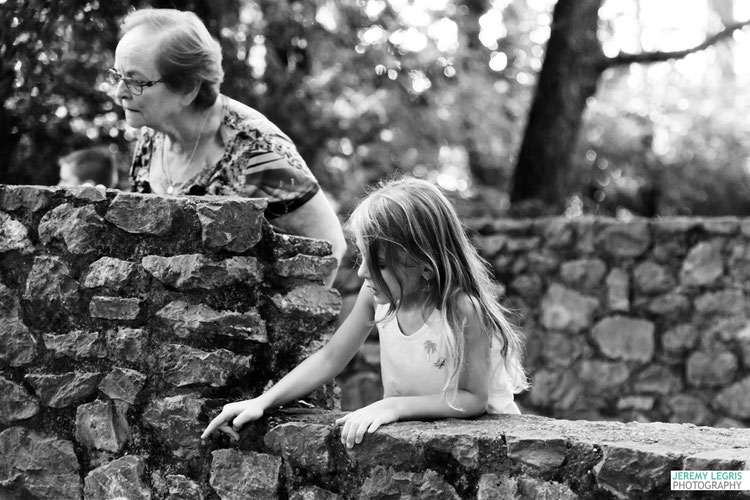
(436, 88)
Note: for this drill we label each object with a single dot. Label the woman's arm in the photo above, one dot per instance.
(316, 219)
(308, 375)
(470, 398)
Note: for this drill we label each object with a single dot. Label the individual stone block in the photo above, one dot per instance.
(176, 421)
(127, 343)
(236, 474)
(671, 305)
(313, 493)
(88, 193)
(618, 290)
(651, 278)
(306, 267)
(309, 301)
(600, 377)
(288, 245)
(619, 337)
(560, 350)
(735, 399)
(18, 347)
(555, 389)
(463, 448)
(491, 487)
(121, 478)
(100, 427)
(142, 214)
(490, 246)
(233, 224)
(711, 369)
(182, 365)
(302, 445)
(724, 226)
(387, 483)
(721, 459)
(564, 309)
(730, 302)
(13, 235)
(50, 287)
(656, 379)
(114, 308)
(685, 408)
(635, 470)
(680, 339)
(81, 229)
(123, 384)
(183, 488)
(583, 274)
(187, 319)
(381, 448)
(556, 231)
(76, 344)
(111, 274)
(31, 198)
(34, 465)
(59, 391)
(533, 488)
(624, 240)
(703, 265)
(739, 263)
(16, 403)
(543, 453)
(189, 272)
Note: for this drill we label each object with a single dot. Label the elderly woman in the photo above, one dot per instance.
(197, 141)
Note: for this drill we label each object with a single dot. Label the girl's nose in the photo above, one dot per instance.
(362, 271)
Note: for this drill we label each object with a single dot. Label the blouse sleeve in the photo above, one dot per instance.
(267, 165)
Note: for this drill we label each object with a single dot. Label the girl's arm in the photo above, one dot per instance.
(308, 375)
(470, 399)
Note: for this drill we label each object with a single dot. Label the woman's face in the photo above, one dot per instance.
(157, 106)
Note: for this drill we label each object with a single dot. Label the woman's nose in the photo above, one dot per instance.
(121, 90)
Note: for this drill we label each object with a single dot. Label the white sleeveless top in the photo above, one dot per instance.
(416, 364)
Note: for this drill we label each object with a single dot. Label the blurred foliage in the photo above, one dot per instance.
(436, 88)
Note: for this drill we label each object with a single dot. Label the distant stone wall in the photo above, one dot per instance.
(647, 320)
(126, 320)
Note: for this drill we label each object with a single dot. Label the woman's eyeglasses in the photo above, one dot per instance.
(134, 86)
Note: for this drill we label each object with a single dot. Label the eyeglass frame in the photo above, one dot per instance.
(131, 83)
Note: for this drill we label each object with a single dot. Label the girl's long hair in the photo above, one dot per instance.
(411, 219)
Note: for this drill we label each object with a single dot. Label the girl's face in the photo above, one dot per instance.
(157, 106)
(409, 274)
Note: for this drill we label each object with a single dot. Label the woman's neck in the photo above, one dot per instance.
(193, 126)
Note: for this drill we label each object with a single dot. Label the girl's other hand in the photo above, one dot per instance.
(233, 416)
(367, 419)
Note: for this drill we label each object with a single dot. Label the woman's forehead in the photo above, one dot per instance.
(135, 53)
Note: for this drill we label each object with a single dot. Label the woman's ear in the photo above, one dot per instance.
(188, 98)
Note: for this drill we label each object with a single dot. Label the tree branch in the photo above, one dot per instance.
(623, 59)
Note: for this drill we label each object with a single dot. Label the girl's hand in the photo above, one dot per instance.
(233, 416)
(367, 419)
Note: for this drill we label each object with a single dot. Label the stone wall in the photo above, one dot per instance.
(126, 320)
(646, 320)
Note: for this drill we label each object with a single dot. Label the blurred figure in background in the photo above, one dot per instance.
(94, 166)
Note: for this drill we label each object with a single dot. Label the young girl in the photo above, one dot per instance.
(447, 349)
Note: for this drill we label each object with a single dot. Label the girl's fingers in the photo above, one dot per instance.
(226, 429)
(374, 426)
(215, 423)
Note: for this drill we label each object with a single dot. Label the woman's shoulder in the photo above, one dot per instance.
(244, 118)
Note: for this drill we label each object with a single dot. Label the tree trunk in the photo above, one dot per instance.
(572, 66)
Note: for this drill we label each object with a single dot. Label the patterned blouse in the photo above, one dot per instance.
(259, 161)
